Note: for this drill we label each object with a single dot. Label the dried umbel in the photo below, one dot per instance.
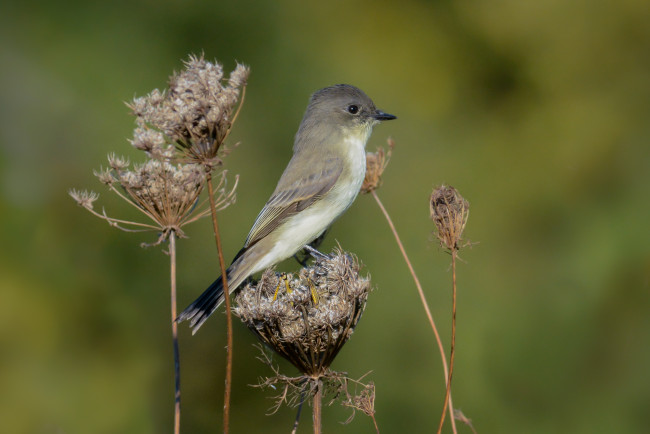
(308, 323)
(376, 163)
(449, 212)
(196, 113)
(306, 319)
(194, 117)
(167, 193)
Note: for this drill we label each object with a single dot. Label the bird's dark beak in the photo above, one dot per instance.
(381, 116)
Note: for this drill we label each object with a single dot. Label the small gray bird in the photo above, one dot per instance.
(321, 181)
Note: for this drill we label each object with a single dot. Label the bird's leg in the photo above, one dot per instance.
(303, 255)
(315, 253)
(302, 261)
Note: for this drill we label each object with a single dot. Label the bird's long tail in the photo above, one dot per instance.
(204, 306)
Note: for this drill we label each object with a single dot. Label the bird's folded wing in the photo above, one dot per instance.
(293, 195)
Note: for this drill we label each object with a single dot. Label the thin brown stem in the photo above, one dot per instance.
(375, 422)
(425, 304)
(453, 339)
(226, 292)
(177, 361)
(318, 398)
(241, 103)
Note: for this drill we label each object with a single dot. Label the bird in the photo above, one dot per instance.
(320, 182)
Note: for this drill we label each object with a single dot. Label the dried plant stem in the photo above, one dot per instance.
(297, 421)
(375, 422)
(318, 398)
(424, 303)
(222, 264)
(454, 253)
(177, 361)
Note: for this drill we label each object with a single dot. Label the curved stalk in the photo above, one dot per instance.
(226, 291)
(425, 304)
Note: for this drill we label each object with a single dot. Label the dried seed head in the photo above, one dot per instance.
(364, 401)
(84, 198)
(193, 116)
(376, 163)
(449, 212)
(196, 113)
(308, 325)
(117, 163)
(166, 191)
(105, 176)
(148, 140)
(239, 76)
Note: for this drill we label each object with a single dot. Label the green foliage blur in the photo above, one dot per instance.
(537, 112)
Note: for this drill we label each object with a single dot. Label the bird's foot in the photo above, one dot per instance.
(315, 253)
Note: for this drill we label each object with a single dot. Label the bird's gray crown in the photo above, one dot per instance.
(336, 109)
(339, 98)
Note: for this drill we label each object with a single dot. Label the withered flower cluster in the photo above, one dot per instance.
(181, 132)
(306, 319)
(309, 322)
(164, 192)
(195, 114)
(449, 212)
(376, 163)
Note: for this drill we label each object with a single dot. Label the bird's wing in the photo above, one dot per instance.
(293, 195)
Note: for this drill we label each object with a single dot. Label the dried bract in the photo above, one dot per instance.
(364, 401)
(376, 163)
(449, 212)
(295, 391)
(308, 324)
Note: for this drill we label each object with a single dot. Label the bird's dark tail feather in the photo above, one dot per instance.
(204, 306)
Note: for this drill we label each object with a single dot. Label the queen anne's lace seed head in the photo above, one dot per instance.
(195, 114)
(376, 163)
(309, 325)
(449, 212)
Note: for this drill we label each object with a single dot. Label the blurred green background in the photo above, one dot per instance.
(538, 112)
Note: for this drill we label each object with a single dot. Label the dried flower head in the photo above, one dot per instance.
(449, 212)
(376, 163)
(308, 323)
(194, 116)
(306, 319)
(84, 198)
(196, 113)
(167, 193)
(364, 401)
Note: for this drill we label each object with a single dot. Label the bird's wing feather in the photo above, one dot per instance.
(293, 195)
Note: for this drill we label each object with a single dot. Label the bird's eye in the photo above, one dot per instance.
(353, 109)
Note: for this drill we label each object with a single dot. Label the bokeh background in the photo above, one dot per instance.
(538, 112)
